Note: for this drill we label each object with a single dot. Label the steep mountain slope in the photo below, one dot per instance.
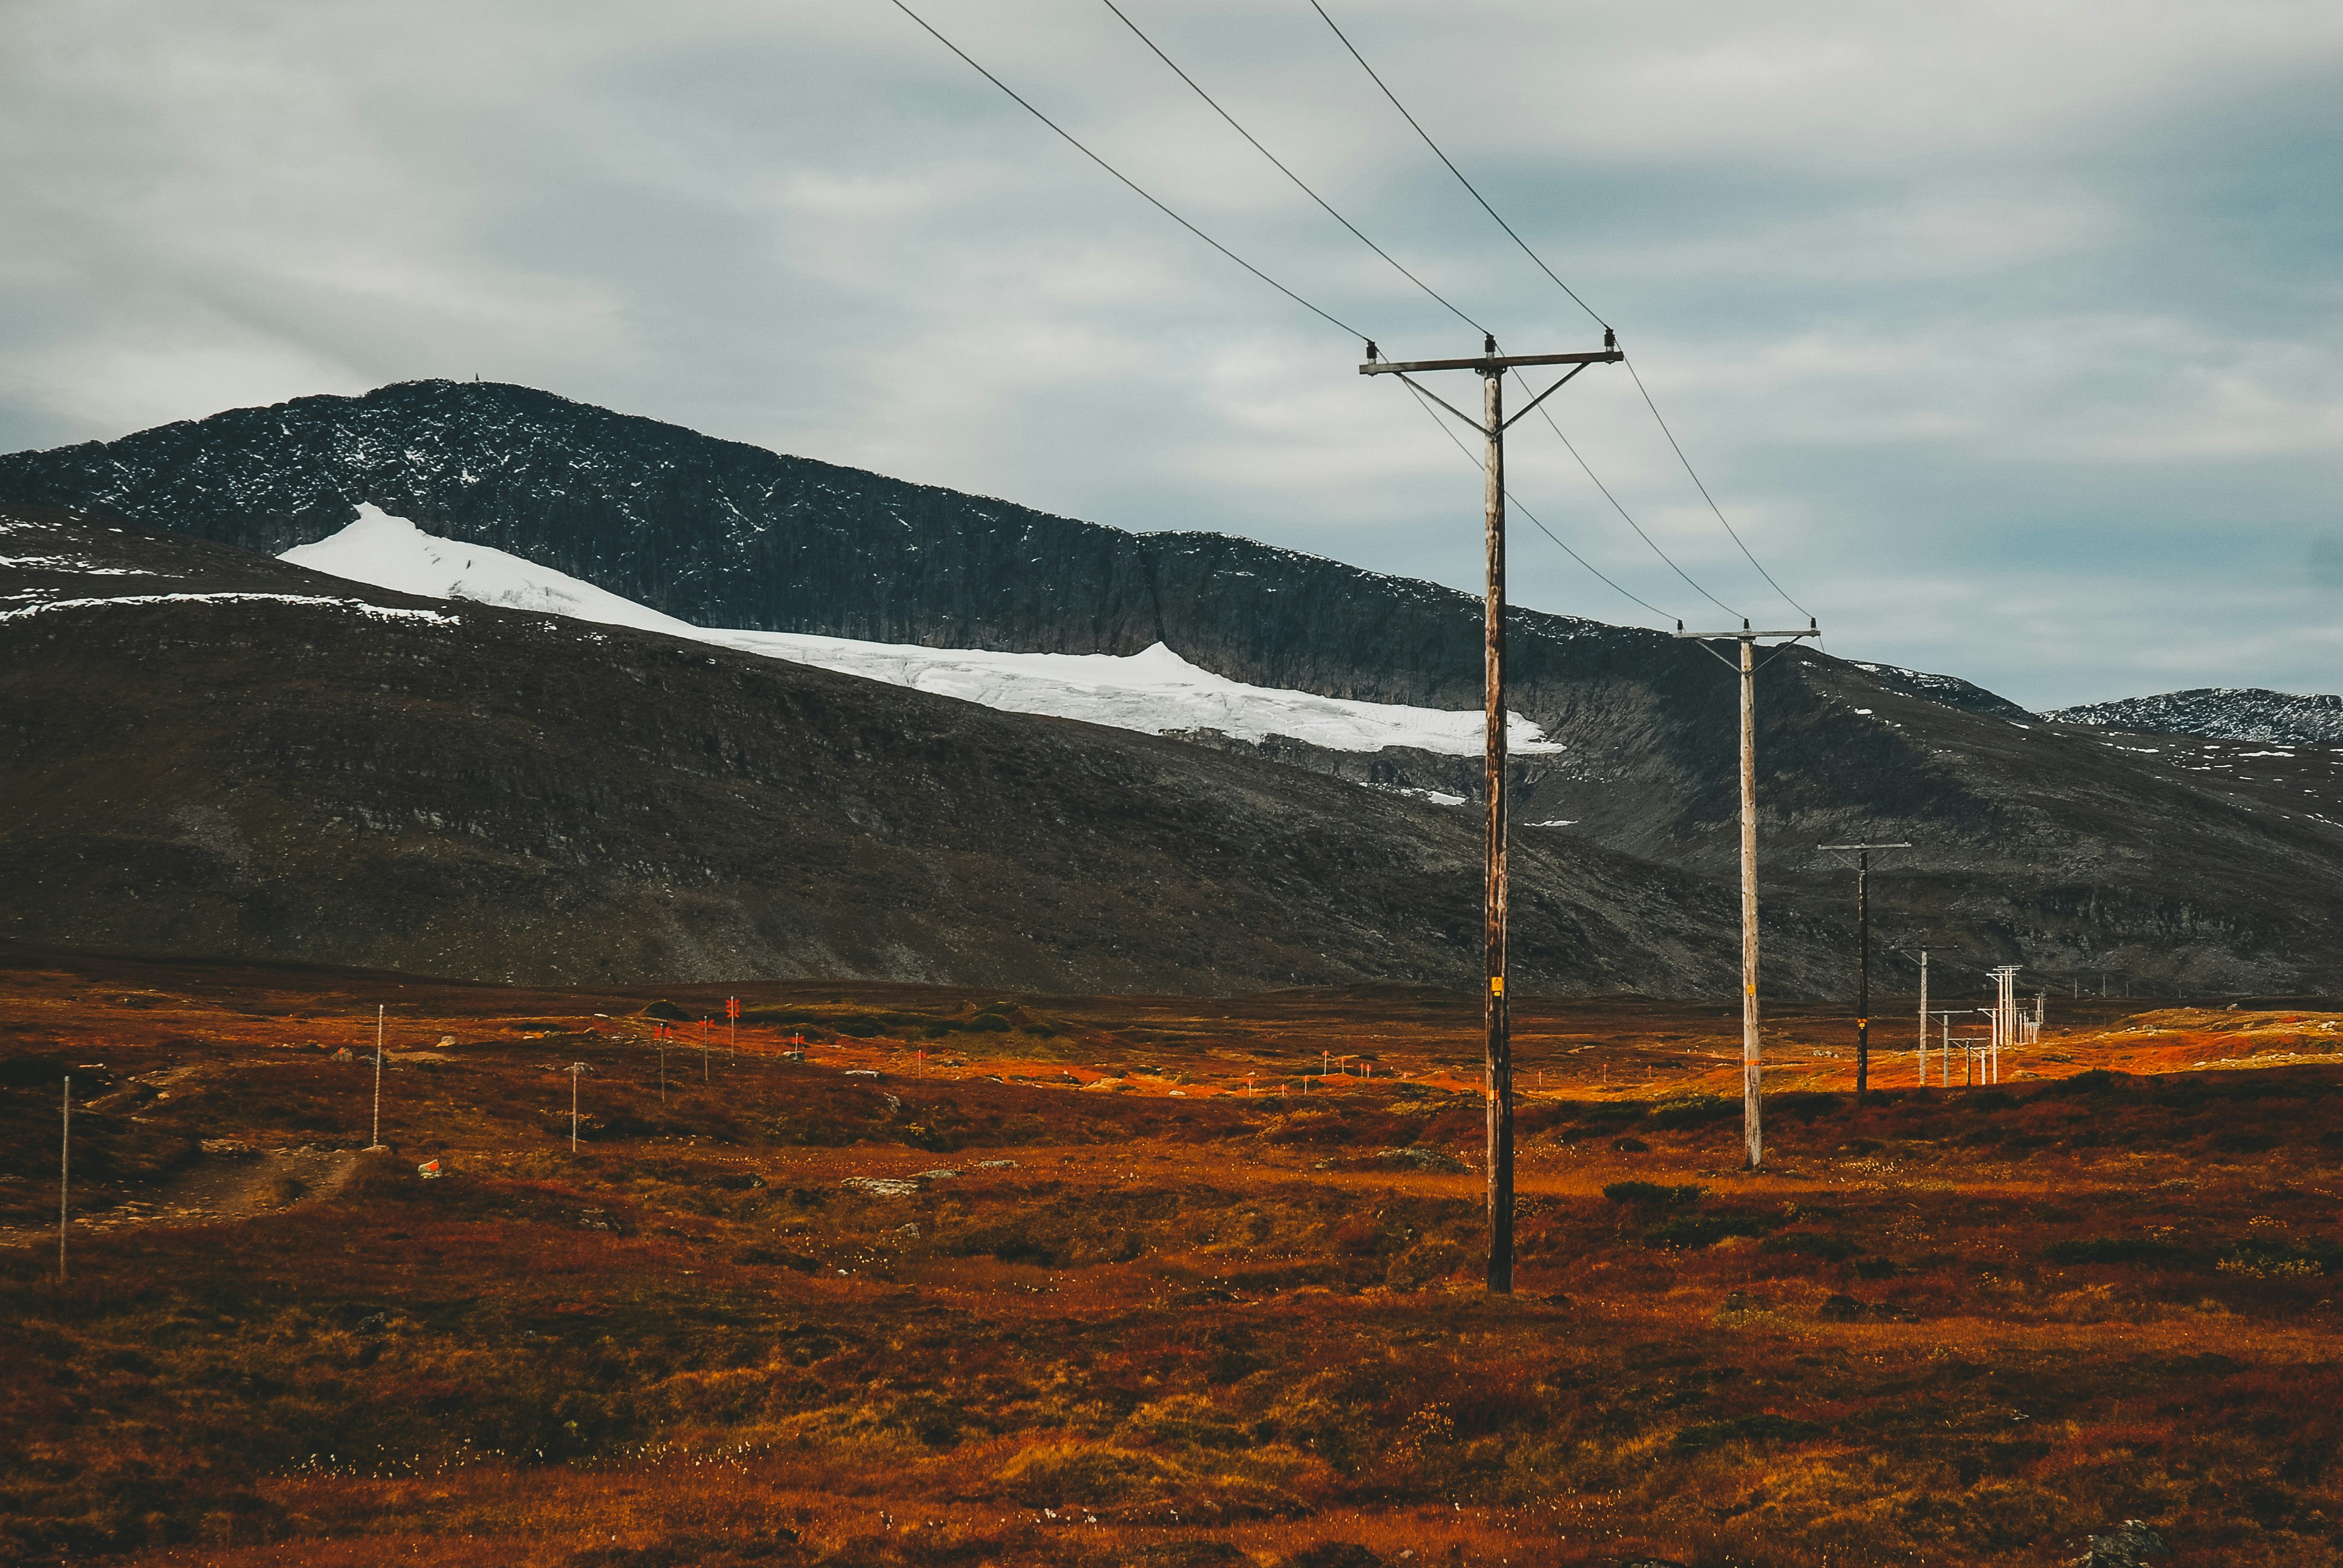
(2220, 713)
(2038, 843)
(206, 751)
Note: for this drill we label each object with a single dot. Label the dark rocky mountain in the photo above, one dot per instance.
(206, 752)
(2220, 713)
(1948, 689)
(2040, 843)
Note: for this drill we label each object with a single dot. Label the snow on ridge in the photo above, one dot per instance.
(379, 611)
(1155, 692)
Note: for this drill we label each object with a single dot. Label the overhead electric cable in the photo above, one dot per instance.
(1570, 448)
(1704, 496)
(1299, 182)
(1453, 170)
(1126, 179)
(1255, 142)
(1514, 501)
(1689, 472)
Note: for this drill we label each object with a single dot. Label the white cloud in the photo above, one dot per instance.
(1940, 298)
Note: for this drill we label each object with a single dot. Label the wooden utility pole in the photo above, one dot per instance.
(1924, 952)
(1497, 1050)
(1753, 1137)
(1863, 963)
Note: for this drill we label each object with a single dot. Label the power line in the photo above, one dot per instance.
(1302, 185)
(1126, 179)
(1453, 170)
(1514, 501)
(1704, 496)
(1451, 308)
(1693, 474)
(1568, 446)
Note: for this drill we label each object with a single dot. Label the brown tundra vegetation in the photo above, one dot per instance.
(913, 1276)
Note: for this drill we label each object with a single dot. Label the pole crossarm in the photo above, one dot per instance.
(1902, 846)
(1490, 364)
(1744, 634)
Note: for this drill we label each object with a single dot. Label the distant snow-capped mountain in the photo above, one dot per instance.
(2219, 713)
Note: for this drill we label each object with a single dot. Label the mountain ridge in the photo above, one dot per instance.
(2058, 847)
(2219, 713)
(210, 752)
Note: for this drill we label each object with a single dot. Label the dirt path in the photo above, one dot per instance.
(227, 1185)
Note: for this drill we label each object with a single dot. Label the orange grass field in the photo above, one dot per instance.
(1136, 1284)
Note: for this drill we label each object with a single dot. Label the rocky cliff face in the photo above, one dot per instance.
(2039, 843)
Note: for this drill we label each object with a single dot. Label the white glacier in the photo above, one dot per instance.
(1155, 692)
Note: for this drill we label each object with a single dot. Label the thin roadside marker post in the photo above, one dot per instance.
(1752, 1136)
(375, 1140)
(1497, 1021)
(64, 1176)
(577, 1069)
(703, 1053)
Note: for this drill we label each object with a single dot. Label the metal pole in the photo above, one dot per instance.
(64, 1176)
(1499, 1045)
(375, 1142)
(1752, 1134)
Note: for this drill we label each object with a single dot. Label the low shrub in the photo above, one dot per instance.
(2117, 1250)
(1688, 1232)
(1766, 1428)
(1651, 1194)
(1811, 1244)
(1695, 1113)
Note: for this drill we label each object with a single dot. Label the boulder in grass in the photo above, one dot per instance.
(882, 1186)
(1416, 1157)
(2130, 1544)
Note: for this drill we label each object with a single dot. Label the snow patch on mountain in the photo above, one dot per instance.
(2219, 713)
(1155, 692)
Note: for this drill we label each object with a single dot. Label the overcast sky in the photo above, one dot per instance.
(2006, 334)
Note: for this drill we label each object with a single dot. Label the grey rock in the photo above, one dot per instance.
(2129, 1545)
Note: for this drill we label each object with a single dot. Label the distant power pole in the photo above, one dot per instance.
(1753, 1137)
(1863, 963)
(1924, 952)
(1498, 1054)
